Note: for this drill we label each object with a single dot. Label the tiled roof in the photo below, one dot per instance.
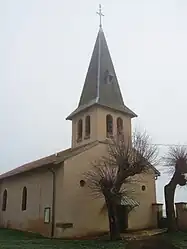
(49, 160)
(29, 166)
(55, 159)
(127, 201)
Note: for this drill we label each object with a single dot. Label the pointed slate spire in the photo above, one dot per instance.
(101, 85)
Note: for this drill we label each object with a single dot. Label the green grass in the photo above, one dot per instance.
(10, 239)
(179, 239)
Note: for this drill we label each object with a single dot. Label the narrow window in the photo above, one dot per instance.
(79, 134)
(87, 126)
(24, 199)
(119, 126)
(4, 204)
(47, 214)
(109, 125)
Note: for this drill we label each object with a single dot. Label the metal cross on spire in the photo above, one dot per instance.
(100, 16)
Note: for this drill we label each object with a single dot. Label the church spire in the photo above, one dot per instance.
(101, 85)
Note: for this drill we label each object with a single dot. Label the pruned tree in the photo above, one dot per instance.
(126, 158)
(176, 159)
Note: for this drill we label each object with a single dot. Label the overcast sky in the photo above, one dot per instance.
(45, 48)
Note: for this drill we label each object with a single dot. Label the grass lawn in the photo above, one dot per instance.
(179, 239)
(10, 239)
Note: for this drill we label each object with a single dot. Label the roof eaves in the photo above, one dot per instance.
(81, 108)
(123, 109)
(157, 172)
(15, 173)
(77, 151)
(53, 159)
(42, 162)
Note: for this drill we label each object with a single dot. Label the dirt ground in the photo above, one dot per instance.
(151, 243)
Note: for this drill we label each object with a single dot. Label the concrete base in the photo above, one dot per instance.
(137, 235)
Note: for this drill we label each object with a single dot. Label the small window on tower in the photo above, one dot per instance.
(87, 127)
(108, 77)
(79, 130)
(109, 125)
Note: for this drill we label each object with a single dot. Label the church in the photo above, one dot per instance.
(49, 196)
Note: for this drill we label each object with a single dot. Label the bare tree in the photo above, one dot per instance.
(176, 159)
(125, 158)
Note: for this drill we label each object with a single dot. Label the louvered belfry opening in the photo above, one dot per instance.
(87, 126)
(109, 125)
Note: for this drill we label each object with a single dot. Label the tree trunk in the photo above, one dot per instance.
(169, 191)
(113, 220)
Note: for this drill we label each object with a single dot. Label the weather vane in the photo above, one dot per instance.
(100, 16)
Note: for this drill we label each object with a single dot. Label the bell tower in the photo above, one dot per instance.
(101, 111)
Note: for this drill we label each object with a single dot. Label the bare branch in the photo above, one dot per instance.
(107, 178)
(146, 152)
(132, 157)
(176, 159)
(125, 158)
(100, 179)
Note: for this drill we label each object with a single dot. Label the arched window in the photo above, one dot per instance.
(79, 128)
(109, 125)
(87, 126)
(24, 199)
(119, 126)
(4, 204)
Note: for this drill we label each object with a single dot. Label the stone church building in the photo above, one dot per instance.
(49, 196)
